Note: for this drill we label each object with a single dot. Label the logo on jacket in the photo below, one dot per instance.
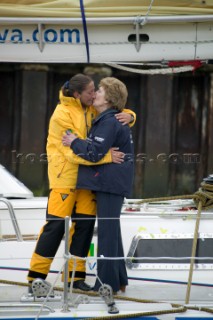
(99, 139)
(64, 196)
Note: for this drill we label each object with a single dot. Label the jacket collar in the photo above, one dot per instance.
(107, 113)
(69, 100)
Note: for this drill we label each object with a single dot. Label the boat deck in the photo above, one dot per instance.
(161, 292)
(166, 295)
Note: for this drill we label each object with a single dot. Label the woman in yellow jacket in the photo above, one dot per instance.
(74, 112)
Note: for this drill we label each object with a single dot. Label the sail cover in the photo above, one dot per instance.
(100, 8)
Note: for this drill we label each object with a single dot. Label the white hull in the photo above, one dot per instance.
(161, 39)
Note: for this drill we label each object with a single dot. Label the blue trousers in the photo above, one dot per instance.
(112, 272)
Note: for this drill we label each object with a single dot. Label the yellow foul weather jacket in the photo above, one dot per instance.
(62, 162)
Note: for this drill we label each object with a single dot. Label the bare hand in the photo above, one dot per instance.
(117, 156)
(68, 138)
(123, 117)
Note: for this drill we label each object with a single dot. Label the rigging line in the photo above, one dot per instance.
(153, 71)
(144, 19)
(147, 14)
(85, 30)
(88, 258)
(104, 258)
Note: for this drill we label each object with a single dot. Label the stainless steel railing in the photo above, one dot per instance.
(13, 218)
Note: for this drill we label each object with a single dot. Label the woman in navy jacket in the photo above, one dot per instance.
(111, 182)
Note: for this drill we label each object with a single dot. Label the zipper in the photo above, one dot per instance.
(87, 132)
(62, 169)
(87, 127)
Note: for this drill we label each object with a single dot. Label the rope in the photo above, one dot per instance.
(144, 20)
(142, 314)
(203, 198)
(147, 14)
(204, 195)
(149, 200)
(194, 246)
(153, 71)
(85, 30)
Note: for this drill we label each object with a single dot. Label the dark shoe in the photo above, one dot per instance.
(123, 288)
(81, 285)
(30, 290)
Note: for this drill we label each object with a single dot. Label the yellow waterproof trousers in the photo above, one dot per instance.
(80, 205)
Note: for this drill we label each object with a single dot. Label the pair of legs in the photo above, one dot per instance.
(112, 272)
(81, 206)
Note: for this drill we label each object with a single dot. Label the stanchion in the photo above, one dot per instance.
(66, 269)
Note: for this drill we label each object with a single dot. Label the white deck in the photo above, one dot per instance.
(158, 296)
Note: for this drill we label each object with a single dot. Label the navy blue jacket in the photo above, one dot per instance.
(106, 132)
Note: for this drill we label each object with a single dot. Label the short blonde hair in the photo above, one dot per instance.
(115, 92)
